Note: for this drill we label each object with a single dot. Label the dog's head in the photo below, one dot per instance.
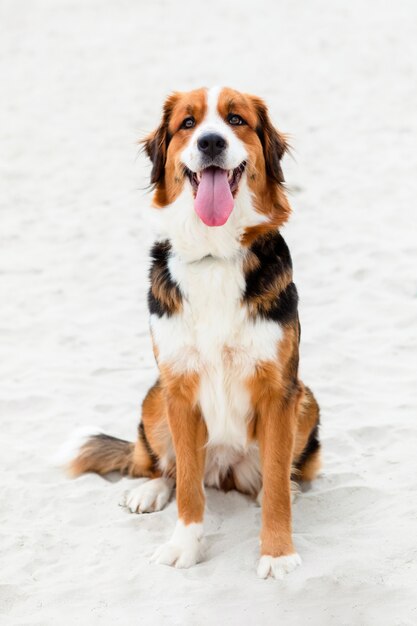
(210, 144)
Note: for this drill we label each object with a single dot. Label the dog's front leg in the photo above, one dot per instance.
(189, 438)
(276, 432)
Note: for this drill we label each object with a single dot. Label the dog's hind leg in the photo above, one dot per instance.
(307, 451)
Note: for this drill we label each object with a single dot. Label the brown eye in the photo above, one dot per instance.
(189, 122)
(235, 120)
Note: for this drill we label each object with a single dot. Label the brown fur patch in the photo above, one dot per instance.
(307, 420)
(164, 145)
(280, 376)
(272, 202)
(286, 415)
(276, 427)
(189, 434)
(311, 467)
(155, 421)
(250, 262)
(307, 454)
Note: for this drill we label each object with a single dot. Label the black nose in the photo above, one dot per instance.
(211, 144)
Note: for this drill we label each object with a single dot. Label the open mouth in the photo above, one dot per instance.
(214, 191)
(233, 176)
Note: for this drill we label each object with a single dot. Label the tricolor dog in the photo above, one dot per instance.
(228, 409)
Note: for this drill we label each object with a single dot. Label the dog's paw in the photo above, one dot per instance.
(184, 549)
(277, 566)
(176, 555)
(148, 497)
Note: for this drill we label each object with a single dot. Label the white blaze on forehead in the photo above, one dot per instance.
(213, 123)
(212, 113)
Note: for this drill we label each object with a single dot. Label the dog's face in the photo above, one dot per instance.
(210, 144)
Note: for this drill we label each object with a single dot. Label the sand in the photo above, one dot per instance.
(81, 81)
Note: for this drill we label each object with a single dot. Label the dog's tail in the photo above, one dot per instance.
(102, 454)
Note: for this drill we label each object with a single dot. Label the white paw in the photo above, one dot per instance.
(185, 547)
(150, 496)
(277, 566)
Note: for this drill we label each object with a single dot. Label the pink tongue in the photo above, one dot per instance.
(214, 201)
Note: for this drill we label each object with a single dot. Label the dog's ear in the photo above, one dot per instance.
(156, 144)
(273, 142)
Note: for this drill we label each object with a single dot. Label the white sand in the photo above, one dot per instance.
(81, 80)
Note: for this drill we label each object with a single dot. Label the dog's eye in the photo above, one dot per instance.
(189, 122)
(235, 120)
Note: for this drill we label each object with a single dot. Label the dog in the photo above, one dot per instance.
(228, 409)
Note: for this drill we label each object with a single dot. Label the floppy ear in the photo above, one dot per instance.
(156, 144)
(273, 142)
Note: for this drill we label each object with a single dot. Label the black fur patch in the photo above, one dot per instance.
(152, 455)
(154, 305)
(274, 261)
(274, 257)
(313, 444)
(273, 144)
(159, 274)
(284, 309)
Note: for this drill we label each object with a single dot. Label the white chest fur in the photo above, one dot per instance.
(214, 336)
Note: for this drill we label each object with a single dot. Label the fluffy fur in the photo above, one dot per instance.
(228, 409)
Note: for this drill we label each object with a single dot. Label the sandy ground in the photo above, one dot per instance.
(81, 81)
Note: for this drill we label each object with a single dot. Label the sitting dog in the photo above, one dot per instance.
(228, 409)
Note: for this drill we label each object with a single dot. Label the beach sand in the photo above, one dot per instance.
(81, 82)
